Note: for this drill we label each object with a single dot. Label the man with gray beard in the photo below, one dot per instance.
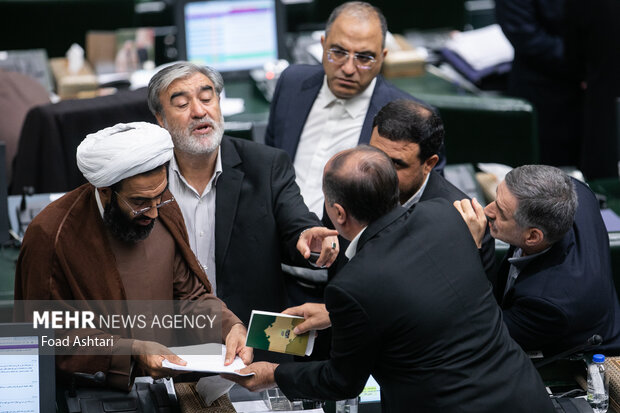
(241, 205)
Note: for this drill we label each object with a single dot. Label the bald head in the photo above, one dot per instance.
(363, 181)
(361, 11)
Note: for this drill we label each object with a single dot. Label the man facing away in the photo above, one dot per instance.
(242, 208)
(119, 237)
(555, 285)
(319, 110)
(412, 307)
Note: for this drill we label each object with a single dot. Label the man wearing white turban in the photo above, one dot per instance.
(119, 237)
(242, 208)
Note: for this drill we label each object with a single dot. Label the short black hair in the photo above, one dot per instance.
(366, 187)
(410, 121)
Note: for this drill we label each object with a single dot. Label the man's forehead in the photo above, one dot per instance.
(393, 148)
(146, 185)
(190, 84)
(505, 200)
(356, 34)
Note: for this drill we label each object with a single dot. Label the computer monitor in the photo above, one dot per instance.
(232, 36)
(27, 377)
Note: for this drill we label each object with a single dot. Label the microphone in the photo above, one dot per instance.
(590, 344)
(98, 377)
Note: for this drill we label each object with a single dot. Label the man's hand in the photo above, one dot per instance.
(315, 315)
(262, 379)
(235, 345)
(473, 214)
(319, 239)
(149, 355)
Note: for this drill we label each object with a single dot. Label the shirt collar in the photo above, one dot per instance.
(352, 249)
(416, 197)
(174, 166)
(355, 106)
(520, 261)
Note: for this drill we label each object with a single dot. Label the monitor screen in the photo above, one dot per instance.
(229, 35)
(27, 378)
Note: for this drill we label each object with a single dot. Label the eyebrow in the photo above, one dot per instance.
(141, 198)
(399, 162)
(185, 93)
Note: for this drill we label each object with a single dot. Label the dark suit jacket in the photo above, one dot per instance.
(439, 187)
(414, 309)
(294, 96)
(567, 294)
(259, 214)
(541, 75)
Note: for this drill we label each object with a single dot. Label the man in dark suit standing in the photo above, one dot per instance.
(412, 307)
(242, 209)
(555, 285)
(411, 135)
(319, 110)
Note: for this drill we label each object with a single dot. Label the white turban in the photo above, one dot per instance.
(122, 151)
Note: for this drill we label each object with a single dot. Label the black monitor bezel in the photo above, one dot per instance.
(47, 364)
(179, 17)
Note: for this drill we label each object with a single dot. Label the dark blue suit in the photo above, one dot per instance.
(294, 96)
(567, 294)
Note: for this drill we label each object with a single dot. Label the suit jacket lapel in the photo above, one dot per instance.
(227, 193)
(299, 113)
(374, 107)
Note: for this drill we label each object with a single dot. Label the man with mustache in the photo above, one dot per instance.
(242, 208)
(555, 285)
(119, 237)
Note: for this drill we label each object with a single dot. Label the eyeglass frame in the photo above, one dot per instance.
(142, 211)
(356, 56)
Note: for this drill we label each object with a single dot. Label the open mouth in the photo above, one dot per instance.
(143, 221)
(202, 128)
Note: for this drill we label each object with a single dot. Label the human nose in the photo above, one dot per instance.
(153, 212)
(197, 109)
(489, 210)
(348, 67)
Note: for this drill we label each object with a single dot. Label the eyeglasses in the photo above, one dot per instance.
(340, 57)
(142, 208)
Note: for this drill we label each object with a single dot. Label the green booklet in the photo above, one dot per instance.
(274, 332)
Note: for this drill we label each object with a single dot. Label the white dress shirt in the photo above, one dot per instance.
(333, 125)
(415, 198)
(199, 214)
(352, 248)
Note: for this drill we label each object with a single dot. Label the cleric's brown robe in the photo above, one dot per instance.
(66, 255)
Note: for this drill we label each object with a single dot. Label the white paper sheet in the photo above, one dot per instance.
(205, 362)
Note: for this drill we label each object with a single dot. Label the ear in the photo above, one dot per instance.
(160, 119)
(384, 52)
(323, 42)
(534, 237)
(341, 214)
(105, 194)
(430, 163)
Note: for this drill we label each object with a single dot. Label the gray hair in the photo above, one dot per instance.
(360, 10)
(546, 199)
(181, 70)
